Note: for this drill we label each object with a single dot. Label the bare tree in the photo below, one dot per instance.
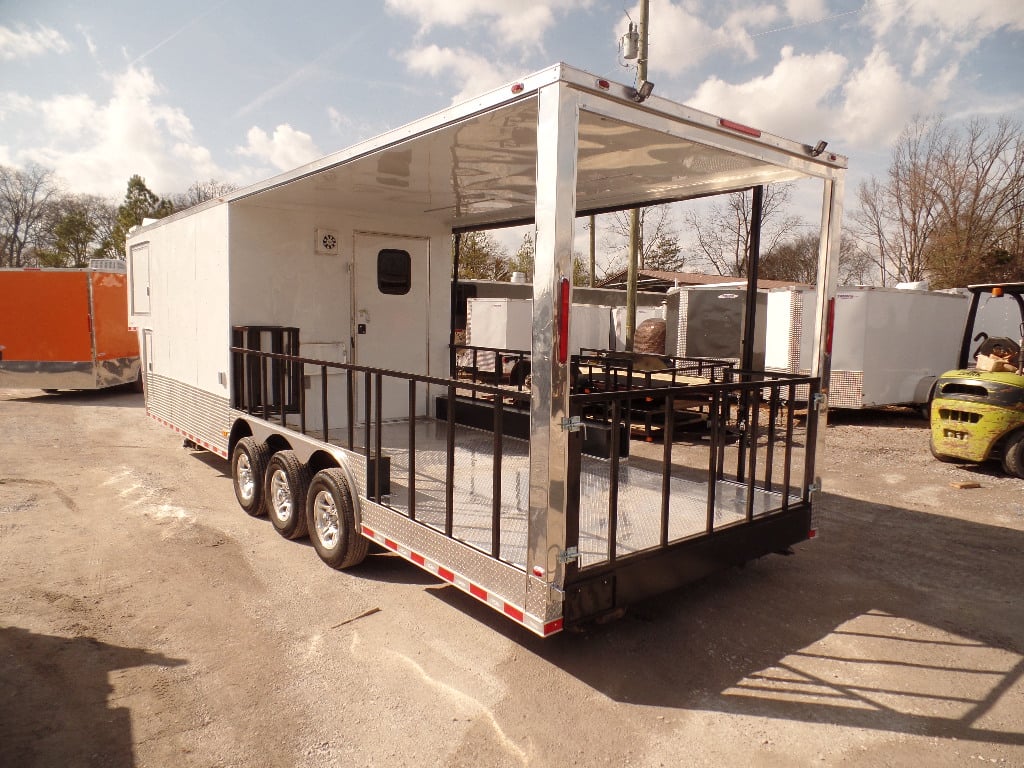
(24, 199)
(722, 230)
(659, 241)
(200, 192)
(949, 208)
(979, 192)
(797, 259)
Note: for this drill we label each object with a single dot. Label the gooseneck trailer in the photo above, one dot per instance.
(303, 329)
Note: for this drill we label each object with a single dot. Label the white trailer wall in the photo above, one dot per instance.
(281, 276)
(889, 345)
(187, 321)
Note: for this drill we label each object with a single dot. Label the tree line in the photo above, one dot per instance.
(42, 225)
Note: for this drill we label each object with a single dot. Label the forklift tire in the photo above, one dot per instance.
(332, 521)
(1013, 454)
(284, 493)
(248, 466)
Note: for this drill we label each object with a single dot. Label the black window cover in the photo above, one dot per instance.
(394, 271)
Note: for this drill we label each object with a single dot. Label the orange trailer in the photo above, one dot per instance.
(67, 328)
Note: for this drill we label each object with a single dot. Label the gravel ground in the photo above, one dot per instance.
(146, 621)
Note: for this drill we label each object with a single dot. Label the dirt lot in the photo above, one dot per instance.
(146, 621)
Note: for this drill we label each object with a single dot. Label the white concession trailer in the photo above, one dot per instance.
(302, 328)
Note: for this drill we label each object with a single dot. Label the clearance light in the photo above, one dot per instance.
(518, 88)
(739, 127)
(604, 84)
(997, 292)
(563, 320)
(812, 533)
(538, 571)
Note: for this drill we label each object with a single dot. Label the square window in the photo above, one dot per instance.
(394, 271)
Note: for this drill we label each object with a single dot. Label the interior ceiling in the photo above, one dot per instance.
(481, 171)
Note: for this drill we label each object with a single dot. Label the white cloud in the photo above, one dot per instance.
(24, 43)
(806, 10)
(513, 22)
(879, 102)
(680, 38)
(790, 101)
(476, 73)
(95, 146)
(964, 23)
(285, 149)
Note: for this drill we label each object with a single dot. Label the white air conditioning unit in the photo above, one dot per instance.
(328, 241)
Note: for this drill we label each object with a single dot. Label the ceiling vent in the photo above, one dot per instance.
(327, 241)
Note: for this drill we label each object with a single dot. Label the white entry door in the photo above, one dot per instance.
(390, 299)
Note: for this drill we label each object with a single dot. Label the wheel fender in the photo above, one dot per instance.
(357, 508)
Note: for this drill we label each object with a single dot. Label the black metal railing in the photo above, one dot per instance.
(749, 442)
(748, 439)
(364, 412)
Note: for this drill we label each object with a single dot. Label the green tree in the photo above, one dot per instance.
(522, 260)
(139, 203)
(481, 257)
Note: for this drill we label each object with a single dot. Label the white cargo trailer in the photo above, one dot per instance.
(303, 328)
(889, 345)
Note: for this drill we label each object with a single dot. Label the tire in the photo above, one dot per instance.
(284, 492)
(331, 518)
(1013, 454)
(248, 467)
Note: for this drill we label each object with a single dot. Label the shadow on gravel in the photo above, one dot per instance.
(54, 707)
(892, 620)
(114, 397)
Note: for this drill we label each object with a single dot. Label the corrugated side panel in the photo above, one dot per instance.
(846, 389)
(198, 414)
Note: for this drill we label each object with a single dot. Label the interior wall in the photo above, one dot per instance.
(279, 278)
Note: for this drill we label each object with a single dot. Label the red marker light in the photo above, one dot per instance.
(739, 127)
(604, 84)
(563, 320)
(518, 88)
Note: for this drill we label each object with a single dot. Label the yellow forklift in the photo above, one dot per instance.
(977, 411)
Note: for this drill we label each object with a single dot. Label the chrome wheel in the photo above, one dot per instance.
(280, 496)
(246, 479)
(325, 519)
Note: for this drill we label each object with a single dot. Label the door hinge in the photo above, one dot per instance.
(569, 555)
(818, 399)
(572, 424)
(814, 487)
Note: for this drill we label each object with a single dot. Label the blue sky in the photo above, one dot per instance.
(240, 90)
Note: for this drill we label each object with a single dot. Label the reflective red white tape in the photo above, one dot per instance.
(514, 612)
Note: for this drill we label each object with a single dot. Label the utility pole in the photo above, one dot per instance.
(593, 253)
(634, 214)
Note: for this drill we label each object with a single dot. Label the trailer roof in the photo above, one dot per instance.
(473, 165)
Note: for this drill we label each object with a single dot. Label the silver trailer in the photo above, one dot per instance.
(303, 329)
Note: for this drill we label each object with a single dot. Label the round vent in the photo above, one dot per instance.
(327, 241)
